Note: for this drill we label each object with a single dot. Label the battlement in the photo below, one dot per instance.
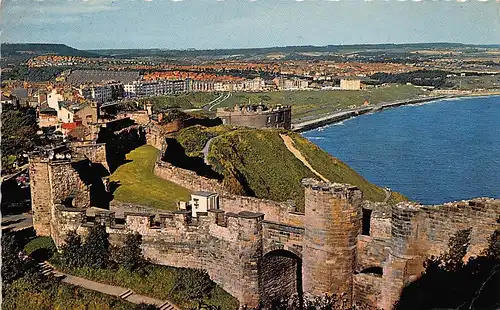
(257, 116)
(345, 191)
(146, 223)
(252, 109)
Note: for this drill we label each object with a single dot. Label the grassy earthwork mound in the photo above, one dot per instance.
(139, 185)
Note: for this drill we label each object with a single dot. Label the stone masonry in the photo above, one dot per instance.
(260, 250)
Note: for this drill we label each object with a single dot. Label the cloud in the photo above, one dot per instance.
(61, 6)
(54, 11)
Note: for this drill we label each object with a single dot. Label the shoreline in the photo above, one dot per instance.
(347, 114)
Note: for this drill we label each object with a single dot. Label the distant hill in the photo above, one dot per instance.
(257, 163)
(283, 49)
(36, 49)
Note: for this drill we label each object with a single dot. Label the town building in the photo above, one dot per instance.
(350, 84)
(257, 116)
(154, 88)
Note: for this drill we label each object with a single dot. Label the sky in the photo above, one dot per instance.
(213, 24)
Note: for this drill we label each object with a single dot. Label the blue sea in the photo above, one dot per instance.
(436, 152)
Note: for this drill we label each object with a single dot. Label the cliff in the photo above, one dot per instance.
(257, 163)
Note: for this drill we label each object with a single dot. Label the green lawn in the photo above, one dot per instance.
(139, 185)
(184, 101)
(316, 102)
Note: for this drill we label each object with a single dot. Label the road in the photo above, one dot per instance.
(345, 114)
(218, 101)
(17, 221)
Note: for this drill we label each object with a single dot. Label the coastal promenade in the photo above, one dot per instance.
(345, 114)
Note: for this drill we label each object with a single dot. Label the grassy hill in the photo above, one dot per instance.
(35, 49)
(257, 163)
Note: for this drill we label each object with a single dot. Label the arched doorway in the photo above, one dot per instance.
(281, 276)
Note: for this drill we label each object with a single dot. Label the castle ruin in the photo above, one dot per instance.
(260, 250)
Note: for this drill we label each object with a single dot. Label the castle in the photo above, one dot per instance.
(257, 116)
(260, 250)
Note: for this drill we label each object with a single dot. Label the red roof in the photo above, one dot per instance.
(70, 125)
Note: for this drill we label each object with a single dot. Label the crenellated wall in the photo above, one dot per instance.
(259, 250)
(227, 245)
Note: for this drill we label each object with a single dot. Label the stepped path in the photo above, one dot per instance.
(291, 147)
(117, 291)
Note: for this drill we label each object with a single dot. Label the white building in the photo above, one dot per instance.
(203, 201)
(154, 88)
(98, 93)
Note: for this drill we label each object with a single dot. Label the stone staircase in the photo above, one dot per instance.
(126, 294)
(167, 306)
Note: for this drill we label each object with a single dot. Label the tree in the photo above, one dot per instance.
(96, 249)
(19, 129)
(12, 264)
(193, 284)
(72, 250)
(130, 255)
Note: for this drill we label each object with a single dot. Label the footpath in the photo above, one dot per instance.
(291, 147)
(118, 291)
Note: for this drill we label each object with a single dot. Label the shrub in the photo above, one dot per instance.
(96, 249)
(130, 255)
(40, 248)
(12, 264)
(192, 284)
(71, 250)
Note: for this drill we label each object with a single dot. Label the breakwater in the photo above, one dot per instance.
(346, 114)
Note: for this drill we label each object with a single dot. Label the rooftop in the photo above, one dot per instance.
(203, 194)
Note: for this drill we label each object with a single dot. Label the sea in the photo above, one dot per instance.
(434, 152)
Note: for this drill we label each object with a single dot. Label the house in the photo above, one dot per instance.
(47, 117)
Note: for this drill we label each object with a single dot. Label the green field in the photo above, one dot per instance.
(184, 101)
(139, 185)
(317, 102)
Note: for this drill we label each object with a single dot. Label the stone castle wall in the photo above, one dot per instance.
(40, 196)
(416, 233)
(258, 249)
(55, 180)
(228, 246)
(95, 152)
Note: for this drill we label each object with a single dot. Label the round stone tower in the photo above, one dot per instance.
(332, 225)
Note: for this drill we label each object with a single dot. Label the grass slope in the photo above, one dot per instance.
(23, 294)
(184, 101)
(139, 185)
(155, 281)
(257, 163)
(311, 103)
